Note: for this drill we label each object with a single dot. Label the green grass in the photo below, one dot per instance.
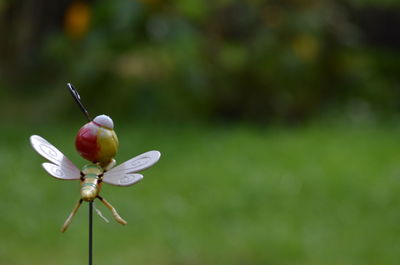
(228, 195)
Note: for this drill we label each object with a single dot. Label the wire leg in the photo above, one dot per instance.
(112, 209)
(69, 219)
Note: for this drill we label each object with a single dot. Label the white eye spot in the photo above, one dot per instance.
(105, 121)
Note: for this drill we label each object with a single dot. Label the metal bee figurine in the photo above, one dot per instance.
(97, 142)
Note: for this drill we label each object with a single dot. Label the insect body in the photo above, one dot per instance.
(93, 175)
(90, 182)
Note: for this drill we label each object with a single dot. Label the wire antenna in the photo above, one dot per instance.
(77, 98)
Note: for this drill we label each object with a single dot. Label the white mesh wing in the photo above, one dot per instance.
(61, 172)
(51, 153)
(122, 179)
(123, 175)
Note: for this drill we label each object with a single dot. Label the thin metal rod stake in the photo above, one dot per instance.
(90, 233)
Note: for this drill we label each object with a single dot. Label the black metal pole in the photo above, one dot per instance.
(90, 233)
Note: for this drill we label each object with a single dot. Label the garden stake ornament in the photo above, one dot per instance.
(97, 142)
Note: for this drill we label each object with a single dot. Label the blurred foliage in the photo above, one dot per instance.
(191, 59)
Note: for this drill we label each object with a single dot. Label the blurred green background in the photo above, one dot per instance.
(278, 124)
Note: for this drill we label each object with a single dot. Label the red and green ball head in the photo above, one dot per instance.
(96, 141)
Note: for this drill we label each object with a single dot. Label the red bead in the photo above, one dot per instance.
(86, 142)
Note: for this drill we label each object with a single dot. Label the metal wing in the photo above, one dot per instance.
(61, 172)
(62, 168)
(123, 175)
(122, 179)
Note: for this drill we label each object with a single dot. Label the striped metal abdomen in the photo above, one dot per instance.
(90, 188)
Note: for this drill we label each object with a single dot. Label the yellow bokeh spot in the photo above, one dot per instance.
(77, 19)
(306, 47)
